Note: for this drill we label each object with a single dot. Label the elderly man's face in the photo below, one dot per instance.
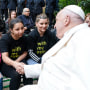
(27, 12)
(59, 24)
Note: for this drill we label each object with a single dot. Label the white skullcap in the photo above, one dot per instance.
(77, 10)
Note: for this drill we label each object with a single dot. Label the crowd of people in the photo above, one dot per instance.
(60, 56)
(66, 65)
(35, 6)
(17, 19)
(13, 44)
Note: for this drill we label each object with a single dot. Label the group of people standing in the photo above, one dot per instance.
(35, 6)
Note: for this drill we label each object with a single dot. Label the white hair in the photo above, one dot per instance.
(24, 10)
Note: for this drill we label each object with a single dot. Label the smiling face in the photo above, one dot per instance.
(42, 25)
(13, 15)
(17, 31)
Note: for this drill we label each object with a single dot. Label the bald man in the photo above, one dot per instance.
(66, 66)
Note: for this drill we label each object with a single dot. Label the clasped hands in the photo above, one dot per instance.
(19, 66)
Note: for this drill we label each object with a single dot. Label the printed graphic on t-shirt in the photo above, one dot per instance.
(15, 52)
(41, 47)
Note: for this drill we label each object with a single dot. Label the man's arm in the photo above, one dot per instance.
(32, 71)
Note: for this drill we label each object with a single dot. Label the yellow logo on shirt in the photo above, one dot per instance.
(14, 53)
(40, 47)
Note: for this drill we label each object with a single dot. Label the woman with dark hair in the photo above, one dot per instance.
(12, 15)
(14, 51)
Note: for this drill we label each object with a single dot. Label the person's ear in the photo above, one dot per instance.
(11, 30)
(67, 21)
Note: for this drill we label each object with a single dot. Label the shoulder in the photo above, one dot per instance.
(82, 35)
(33, 33)
(5, 37)
(20, 16)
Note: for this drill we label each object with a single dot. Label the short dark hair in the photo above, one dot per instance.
(14, 21)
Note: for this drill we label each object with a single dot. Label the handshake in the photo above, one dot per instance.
(19, 66)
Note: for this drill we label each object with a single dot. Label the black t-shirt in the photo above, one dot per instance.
(40, 45)
(14, 47)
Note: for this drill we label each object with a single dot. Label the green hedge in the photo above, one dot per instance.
(85, 4)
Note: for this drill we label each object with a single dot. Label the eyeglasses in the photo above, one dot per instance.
(27, 11)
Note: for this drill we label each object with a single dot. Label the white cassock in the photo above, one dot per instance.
(66, 66)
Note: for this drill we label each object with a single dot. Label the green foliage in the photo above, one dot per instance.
(85, 4)
(63, 3)
(88, 0)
